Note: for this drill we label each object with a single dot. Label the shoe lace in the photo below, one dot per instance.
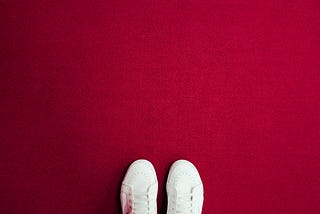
(184, 204)
(142, 204)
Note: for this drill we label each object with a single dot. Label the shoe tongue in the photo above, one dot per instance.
(142, 189)
(184, 188)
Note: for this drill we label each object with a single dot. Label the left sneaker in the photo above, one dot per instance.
(139, 189)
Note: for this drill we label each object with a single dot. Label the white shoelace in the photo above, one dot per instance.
(184, 204)
(142, 204)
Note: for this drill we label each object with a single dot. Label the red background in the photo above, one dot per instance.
(89, 86)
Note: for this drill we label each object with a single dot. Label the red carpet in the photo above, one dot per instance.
(89, 86)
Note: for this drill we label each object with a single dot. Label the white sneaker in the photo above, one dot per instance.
(184, 189)
(139, 189)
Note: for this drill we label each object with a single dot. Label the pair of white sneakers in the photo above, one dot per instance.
(140, 187)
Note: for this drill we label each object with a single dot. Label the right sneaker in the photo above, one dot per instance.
(139, 189)
(184, 189)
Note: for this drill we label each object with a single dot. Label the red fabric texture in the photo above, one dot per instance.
(87, 87)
